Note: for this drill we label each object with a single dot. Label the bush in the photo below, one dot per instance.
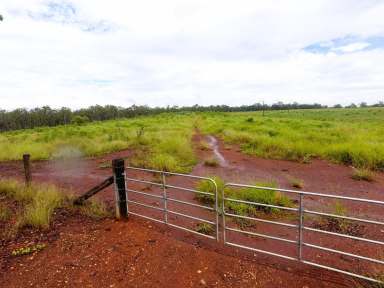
(79, 120)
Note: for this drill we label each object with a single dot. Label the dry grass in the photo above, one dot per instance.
(297, 183)
(95, 209)
(39, 201)
(205, 146)
(362, 174)
(5, 213)
(205, 228)
(211, 162)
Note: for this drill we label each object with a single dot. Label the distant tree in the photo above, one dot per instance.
(380, 104)
(337, 106)
(1, 17)
(352, 105)
(363, 104)
(46, 116)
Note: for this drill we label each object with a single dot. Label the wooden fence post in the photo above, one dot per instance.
(27, 169)
(118, 167)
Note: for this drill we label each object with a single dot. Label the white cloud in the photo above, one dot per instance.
(187, 52)
(353, 47)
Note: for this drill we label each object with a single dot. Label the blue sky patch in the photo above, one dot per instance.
(65, 12)
(348, 44)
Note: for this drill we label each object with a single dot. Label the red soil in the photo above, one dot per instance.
(131, 254)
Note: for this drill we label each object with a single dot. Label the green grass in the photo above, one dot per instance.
(39, 201)
(160, 142)
(205, 228)
(28, 250)
(263, 196)
(348, 136)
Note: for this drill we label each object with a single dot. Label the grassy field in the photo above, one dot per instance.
(347, 136)
(161, 142)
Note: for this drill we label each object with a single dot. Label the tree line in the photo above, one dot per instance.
(46, 116)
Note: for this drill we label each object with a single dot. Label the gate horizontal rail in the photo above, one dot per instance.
(166, 199)
(299, 227)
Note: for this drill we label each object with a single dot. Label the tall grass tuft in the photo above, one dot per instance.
(257, 195)
(38, 212)
(362, 174)
(40, 201)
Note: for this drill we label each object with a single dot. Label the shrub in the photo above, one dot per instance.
(79, 120)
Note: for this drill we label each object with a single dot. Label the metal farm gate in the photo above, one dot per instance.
(169, 202)
(170, 198)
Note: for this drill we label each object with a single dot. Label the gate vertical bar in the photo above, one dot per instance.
(216, 210)
(223, 211)
(118, 167)
(301, 218)
(165, 198)
(27, 168)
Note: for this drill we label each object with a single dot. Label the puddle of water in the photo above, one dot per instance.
(212, 141)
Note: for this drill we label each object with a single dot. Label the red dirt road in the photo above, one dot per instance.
(138, 254)
(141, 254)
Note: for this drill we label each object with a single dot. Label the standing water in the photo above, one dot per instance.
(212, 141)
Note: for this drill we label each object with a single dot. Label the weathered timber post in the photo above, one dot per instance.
(27, 168)
(118, 167)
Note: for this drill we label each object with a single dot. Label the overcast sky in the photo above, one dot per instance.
(176, 52)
